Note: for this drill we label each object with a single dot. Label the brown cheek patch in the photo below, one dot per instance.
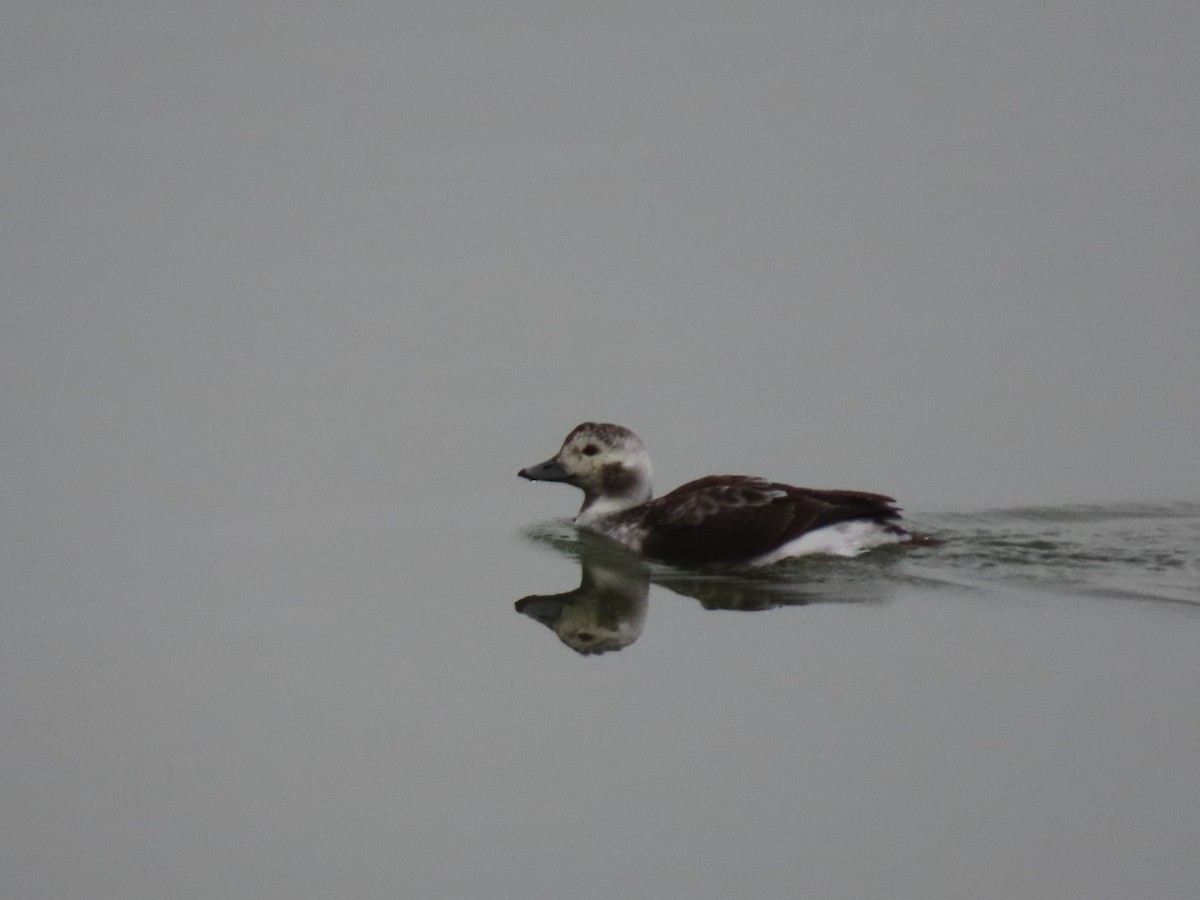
(617, 479)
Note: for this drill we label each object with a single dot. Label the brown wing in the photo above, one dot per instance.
(724, 518)
(845, 506)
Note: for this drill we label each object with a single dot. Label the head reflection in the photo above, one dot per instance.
(606, 612)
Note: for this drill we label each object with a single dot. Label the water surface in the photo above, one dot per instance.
(1012, 714)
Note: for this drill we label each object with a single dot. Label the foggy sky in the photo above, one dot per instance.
(945, 251)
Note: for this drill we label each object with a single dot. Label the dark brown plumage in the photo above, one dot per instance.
(725, 518)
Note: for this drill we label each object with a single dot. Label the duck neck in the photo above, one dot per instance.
(604, 505)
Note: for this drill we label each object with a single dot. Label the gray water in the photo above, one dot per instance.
(289, 293)
(366, 714)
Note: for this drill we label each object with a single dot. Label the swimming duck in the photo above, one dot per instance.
(717, 520)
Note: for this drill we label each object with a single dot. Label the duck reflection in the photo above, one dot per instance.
(608, 610)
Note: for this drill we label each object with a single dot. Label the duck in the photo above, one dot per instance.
(715, 521)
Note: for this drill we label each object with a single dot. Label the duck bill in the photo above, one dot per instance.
(550, 470)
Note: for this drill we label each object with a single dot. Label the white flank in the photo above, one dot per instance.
(843, 539)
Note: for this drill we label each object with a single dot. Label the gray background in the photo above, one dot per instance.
(291, 290)
(945, 250)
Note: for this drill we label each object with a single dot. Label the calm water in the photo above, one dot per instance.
(354, 713)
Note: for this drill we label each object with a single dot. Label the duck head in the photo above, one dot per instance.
(607, 462)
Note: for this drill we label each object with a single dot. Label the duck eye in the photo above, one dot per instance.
(591, 450)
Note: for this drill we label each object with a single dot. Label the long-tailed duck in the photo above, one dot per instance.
(717, 520)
